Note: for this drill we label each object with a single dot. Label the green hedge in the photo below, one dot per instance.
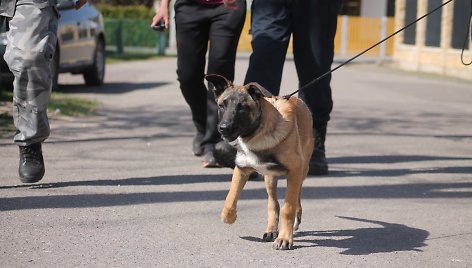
(127, 12)
(129, 26)
(132, 33)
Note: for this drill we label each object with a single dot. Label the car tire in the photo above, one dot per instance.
(55, 70)
(95, 74)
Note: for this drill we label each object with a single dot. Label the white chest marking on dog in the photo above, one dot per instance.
(246, 158)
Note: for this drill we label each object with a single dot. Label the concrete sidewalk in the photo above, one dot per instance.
(122, 188)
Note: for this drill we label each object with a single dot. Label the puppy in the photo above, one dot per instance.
(273, 136)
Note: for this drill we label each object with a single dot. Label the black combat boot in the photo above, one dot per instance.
(197, 147)
(31, 167)
(209, 160)
(318, 163)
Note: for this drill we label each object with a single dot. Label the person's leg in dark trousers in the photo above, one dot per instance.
(192, 32)
(313, 46)
(270, 29)
(196, 25)
(225, 30)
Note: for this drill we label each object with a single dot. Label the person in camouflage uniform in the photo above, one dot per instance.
(31, 43)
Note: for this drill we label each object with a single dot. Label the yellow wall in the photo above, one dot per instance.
(361, 34)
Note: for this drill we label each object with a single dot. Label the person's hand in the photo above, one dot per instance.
(161, 15)
(80, 3)
(231, 4)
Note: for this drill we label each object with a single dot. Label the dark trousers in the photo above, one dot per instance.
(313, 25)
(201, 28)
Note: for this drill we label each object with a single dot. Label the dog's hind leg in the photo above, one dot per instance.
(298, 218)
(288, 212)
(228, 215)
(273, 209)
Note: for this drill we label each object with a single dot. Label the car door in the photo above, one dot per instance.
(76, 41)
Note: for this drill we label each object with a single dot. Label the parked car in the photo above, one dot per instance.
(80, 47)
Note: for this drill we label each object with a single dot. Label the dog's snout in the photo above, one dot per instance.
(225, 128)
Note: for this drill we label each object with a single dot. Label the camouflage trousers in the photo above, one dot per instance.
(31, 43)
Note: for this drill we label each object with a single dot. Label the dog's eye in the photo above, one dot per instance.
(221, 107)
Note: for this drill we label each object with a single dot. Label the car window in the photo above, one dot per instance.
(3, 37)
(63, 4)
(3, 26)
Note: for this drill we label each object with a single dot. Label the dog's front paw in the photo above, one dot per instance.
(228, 215)
(269, 236)
(283, 244)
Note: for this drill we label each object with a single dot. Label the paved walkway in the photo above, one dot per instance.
(123, 190)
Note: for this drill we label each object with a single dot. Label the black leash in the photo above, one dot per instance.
(466, 37)
(316, 80)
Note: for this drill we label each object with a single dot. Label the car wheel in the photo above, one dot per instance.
(94, 75)
(55, 70)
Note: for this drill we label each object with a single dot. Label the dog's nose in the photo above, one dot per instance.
(224, 128)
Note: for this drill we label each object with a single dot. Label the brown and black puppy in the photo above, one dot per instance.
(273, 136)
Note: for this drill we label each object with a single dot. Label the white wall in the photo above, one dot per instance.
(373, 8)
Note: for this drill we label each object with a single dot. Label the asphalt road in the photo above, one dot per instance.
(122, 188)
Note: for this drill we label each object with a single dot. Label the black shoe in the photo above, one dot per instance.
(197, 147)
(31, 167)
(209, 160)
(225, 154)
(318, 163)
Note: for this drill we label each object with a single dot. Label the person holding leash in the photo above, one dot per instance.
(31, 43)
(203, 26)
(313, 26)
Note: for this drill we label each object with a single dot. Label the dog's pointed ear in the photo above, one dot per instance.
(220, 83)
(257, 91)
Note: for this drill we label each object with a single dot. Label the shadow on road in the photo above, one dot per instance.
(126, 198)
(389, 237)
(108, 88)
(401, 172)
(397, 159)
(391, 159)
(116, 124)
(147, 181)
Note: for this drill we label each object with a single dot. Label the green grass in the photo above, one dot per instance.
(5, 95)
(6, 124)
(68, 105)
(6, 119)
(72, 106)
(65, 105)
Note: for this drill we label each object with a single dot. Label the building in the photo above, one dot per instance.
(437, 43)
